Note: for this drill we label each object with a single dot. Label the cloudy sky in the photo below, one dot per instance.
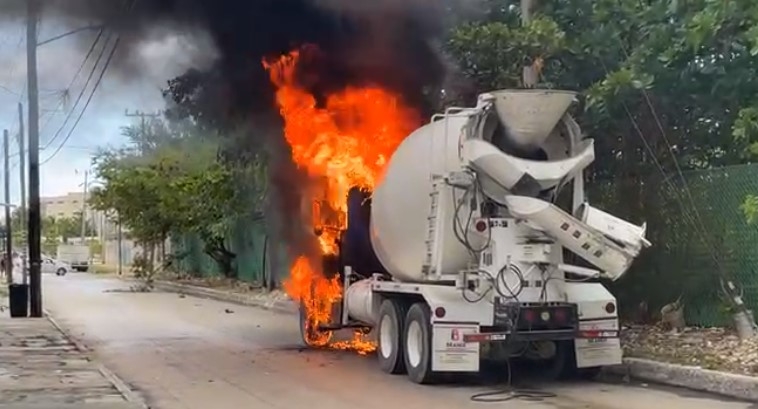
(163, 57)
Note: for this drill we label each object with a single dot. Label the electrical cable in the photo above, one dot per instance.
(481, 296)
(84, 88)
(92, 94)
(501, 279)
(129, 7)
(71, 83)
(461, 234)
(509, 393)
(696, 222)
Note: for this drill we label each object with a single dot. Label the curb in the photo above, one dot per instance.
(740, 387)
(280, 306)
(130, 395)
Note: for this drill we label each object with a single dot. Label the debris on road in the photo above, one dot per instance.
(232, 286)
(710, 348)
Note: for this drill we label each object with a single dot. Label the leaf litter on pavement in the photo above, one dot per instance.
(710, 348)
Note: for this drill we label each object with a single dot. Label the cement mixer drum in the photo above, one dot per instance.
(400, 211)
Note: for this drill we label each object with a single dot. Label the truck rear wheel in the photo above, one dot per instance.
(418, 344)
(390, 330)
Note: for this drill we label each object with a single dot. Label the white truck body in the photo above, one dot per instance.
(471, 238)
(75, 255)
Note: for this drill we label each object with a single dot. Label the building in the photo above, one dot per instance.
(70, 206)
(67, 206)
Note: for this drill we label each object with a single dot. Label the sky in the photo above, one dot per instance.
(164, 57)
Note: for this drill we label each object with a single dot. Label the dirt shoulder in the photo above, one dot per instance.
(710, 348)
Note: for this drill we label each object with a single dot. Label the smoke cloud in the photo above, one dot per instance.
(393, 43)
(389, 42)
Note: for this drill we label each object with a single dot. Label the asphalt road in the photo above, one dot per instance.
(183, 352)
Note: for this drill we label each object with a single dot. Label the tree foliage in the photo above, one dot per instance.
(695, 60)
(53, 228)
(173, 182)
(665, 86)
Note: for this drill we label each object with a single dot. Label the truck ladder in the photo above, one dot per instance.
(433, 258)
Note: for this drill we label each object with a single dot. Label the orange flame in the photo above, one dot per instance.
(346, 143)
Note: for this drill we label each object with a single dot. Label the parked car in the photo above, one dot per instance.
(51, 265)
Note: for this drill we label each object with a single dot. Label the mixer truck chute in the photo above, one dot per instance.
(458, 254)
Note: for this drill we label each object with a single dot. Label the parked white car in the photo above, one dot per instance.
(51, 265)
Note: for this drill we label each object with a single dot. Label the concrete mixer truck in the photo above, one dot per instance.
(469, 250)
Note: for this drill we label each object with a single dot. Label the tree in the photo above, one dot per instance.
(179, 185)
(694, 60)
(138, 195)
(665, 87)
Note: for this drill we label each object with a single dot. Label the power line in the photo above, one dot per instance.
(84, 88)
(129, 6)
(81, 114)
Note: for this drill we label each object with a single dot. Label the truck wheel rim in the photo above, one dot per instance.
(414, 343)
(386, 337)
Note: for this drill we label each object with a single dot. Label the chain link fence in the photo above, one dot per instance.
(254, 252)
(699, 235)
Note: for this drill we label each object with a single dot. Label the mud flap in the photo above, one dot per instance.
(450, 353)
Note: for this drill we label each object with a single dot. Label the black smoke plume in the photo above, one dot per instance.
(393, 43)
(389, 42)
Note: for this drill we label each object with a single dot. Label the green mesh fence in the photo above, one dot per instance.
(259, 260)
(248, 241)
(684, 262)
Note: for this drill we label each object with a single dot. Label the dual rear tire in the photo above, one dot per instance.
(405, 340)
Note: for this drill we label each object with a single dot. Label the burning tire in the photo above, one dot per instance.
(389, 334)
(309, 332)
(418, 344)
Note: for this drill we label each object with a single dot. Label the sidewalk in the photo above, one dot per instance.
(40, 368)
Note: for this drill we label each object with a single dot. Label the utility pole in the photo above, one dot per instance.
(22, 167)
(119, 244)
(35, 219)
(84, 206)
(529, 73)
(8, 230)
(143, 127)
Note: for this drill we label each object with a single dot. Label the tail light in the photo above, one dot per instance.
(560, 315)
(610, 308)
(481, 226)
(530, 315)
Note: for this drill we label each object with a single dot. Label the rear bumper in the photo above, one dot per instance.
(547, 335)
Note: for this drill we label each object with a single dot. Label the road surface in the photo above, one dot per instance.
(186, 353)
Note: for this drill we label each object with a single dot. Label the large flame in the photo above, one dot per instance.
(346, 143)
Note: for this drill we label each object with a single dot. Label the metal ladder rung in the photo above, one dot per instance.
(432, 227)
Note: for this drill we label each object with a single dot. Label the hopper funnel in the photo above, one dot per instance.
(529, 115)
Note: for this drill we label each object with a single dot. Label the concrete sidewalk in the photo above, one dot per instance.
(41, 368)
